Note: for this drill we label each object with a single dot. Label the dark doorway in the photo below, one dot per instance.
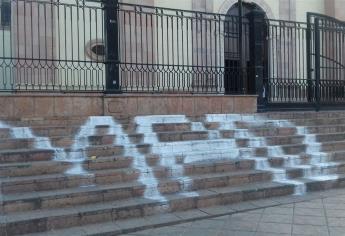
(237, 79)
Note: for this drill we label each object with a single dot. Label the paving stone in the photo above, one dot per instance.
(337, 231)
(279, 210)
(334, 206)
(236, 233)
(309, 220)
(275, 218)
(335, 213)
(199, 232)
(310, 204)
(277, 228)
(310, 230)
(243, 206)
(208, 224)
(264, 203)
(218, 210)
(239, 225)
(336, 221)
(190, 214)
(270, 234)
(309, 212)
(246, 216)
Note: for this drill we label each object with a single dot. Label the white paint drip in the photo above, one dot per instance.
(39, 142)
(59, 153)
(4, 126)
(146, 176)
(319, 164)
(175, 154)
(167, 151)
(77, 154)
(279, 174)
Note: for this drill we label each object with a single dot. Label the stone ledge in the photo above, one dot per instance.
(14, 106)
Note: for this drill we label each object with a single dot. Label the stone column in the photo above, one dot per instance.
(335, 8)
(287, 10)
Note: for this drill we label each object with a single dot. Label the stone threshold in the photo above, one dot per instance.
(169, 219)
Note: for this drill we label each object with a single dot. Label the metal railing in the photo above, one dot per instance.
(70, 45)
(287, 65)
(103, 46)
(52, 46)
(169, 50)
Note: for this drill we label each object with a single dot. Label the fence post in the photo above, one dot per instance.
(317, 64)
(310, 92)
(257, 45)
(112, 83)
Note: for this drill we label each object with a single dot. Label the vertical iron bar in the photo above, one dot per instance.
(112, 48)
(317, 64)
(256, 42)
(309, 55)
(243, 81)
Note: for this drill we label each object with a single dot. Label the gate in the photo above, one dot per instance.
(306, 64)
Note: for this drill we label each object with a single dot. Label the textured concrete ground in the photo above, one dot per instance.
(323, 215)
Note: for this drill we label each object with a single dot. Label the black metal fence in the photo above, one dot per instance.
(169, 50)
(287, 77)
(98, 45)
(103, 46)
(52, 46)
(307, 63)
(328, 55)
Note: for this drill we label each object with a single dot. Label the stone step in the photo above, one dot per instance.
(243, 124)
(11, 143)
(270, 141)
(218, 166)
(45, 220)
(62, 181)
(103, 193)
(323, 129)
(5, 133)
(287, 160)
(60, 142)
(114, 162)
(296, 149)
(324, 182)
(318, 121)
(318, 169)
(25, 155)
(337, 156)
(330, 137)
(53, 167)
(28, 155)
(182, 136)
(102, 171)
(120, 227)
(304, 114)
(172, 127)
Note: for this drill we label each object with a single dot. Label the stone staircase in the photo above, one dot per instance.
(59, 175)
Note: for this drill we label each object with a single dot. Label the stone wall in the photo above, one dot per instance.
(23, 106)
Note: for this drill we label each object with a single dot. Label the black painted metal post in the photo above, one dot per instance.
(310, 92)
(243, 79)
(112, 46)
(257, 46)
(317, 64)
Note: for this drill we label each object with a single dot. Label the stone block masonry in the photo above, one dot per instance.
(21, 106)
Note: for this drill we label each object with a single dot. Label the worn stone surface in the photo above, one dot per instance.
(295, 219)
(40, 106)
